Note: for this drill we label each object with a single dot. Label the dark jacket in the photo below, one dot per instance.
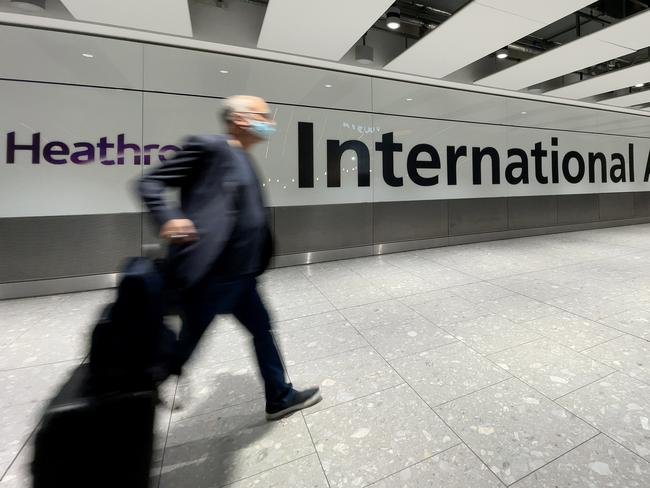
(220, 193)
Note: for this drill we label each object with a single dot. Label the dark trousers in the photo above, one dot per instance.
(201, 303)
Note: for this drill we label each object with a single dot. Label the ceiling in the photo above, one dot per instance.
(570, 49)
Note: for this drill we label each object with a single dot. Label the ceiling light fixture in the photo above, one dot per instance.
(328, 86)
(524, 113)
(88, 55)
(393, 18)
(364, 54)
(224, 71)
(639, 85)
(29, 5)
(502, 53)
(409, 99)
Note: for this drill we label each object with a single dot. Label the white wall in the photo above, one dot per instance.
(176, 92)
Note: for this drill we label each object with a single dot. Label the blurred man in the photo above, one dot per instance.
(220, 241)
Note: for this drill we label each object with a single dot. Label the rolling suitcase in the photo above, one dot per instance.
(94, 440)
(98, 430)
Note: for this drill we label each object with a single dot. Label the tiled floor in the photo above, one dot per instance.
(521, 363)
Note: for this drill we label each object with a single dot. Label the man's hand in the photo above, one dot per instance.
(179, 231)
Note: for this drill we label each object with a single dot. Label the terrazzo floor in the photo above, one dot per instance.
(522, 363)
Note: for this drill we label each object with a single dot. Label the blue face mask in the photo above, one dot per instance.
(263, 130)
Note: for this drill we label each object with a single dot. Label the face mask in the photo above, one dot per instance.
(263, 130)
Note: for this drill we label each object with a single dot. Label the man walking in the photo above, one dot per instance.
(220, 241)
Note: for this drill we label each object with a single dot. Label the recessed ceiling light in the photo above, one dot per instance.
(224, 71)
(328, 85)
(524, 113)
(88, 55)
(393, 18)
(502, 53)
(639, 85)
(409, 99)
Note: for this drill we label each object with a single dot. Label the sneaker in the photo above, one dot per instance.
(298, 401)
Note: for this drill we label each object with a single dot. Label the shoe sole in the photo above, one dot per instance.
(312, 400)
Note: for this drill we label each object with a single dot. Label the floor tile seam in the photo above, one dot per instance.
(447, 325)
(556, 458)
(175, 418)
(164, 449)
(560, 309)
(396, 358)
(78, 360)
(647, 461)
(28, 438)
(598, 429)
(502, 350)
(216, 410)
(443, 404)
(261, 396)
(311, 437)
(462, 441)
(328, 356)
(523, 324)
(370, 485)
(559, 344)
(611, 244)
(623, 332)
(297, 332)
(537, 271)
(604, 342)
(413, 320)
(543, 395)
(234, 482)
(591, 383)
(287, 333)
(361, 397)
(340, 353)
(436, 413)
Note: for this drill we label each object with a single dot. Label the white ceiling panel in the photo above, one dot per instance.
(620, 39)
(565, 59)
(613, 80)
(629, 100)
(633, 32)
(317, 28)
(547, 12)
(491, 24)
(169, 16)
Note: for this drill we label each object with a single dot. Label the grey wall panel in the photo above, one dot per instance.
(322, 227)
(642, 204)
(615, 206)
(475, 216)
(35, 248)
(410, 221)
(527, 212)
(573, 209)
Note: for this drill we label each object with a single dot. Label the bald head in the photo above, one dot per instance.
(242, 104)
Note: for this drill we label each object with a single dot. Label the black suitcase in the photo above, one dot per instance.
(94, 440)
(98, 430)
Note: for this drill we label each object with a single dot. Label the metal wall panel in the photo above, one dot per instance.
(527, 212)
(642, 204)
(36, 248)
(574, 209)
(614, 206)
(410, 221)
(476, 216)
(322, 227)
